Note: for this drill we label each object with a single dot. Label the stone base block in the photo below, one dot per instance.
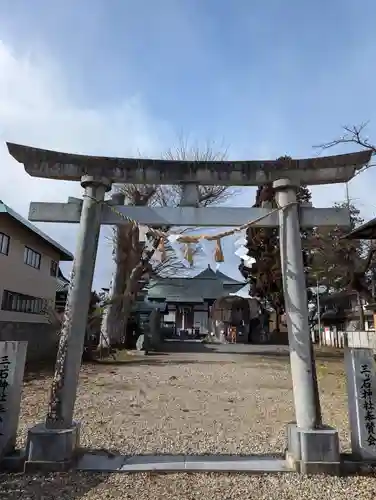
(351, 465)
(51, 449)
(13, 462)
(313, 451)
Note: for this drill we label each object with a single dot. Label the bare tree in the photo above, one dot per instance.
(354, 134)
(358, 275)
(133, 258)
(208, 195)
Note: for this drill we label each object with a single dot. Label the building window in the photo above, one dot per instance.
(19, 302)
(60, 301)
(4, 243)
(53, 268)
(32, 258)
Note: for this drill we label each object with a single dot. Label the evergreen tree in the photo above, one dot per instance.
(334, 262)
(338, 263)
(265, 275)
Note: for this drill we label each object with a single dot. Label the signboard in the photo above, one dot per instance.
(12, 364)
(361, 385)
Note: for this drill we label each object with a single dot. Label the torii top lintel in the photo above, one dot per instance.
(65, 166)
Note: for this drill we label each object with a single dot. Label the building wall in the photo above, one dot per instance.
(346, 313)
(18, 277)
(195, 315)
(201, 320)
(42, 339)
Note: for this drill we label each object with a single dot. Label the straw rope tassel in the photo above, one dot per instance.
(162, 249)
(188, 254)
(218, 253)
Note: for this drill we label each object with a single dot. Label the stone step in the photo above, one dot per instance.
(182, 463)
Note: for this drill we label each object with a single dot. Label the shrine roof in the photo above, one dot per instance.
(62, 282)
(209, 273)
(208, 284)
(45, 163)
(366, 231)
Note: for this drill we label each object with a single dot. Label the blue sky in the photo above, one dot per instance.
(120, 76)
(238, 70)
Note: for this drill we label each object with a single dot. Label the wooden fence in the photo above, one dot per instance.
(340, 339)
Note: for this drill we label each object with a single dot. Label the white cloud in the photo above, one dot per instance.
(36, 109)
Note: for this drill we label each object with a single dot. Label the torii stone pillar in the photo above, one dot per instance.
(296, 305)
(311, 446)
(56, 440)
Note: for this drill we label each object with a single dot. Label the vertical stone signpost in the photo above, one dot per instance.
(12, 365)
(361, 391)
(311, 446)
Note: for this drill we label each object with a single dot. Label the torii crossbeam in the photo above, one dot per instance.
(57, 165)
(185, 216)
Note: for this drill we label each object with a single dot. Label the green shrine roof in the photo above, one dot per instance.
(207, 285)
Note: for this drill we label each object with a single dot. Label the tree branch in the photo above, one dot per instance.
(352, 135)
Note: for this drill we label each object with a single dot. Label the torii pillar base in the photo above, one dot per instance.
(51, 450)
(313, 451)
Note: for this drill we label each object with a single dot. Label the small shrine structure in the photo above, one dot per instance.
(189, 299)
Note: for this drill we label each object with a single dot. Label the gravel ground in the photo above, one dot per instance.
(189, 403)
(187, 487)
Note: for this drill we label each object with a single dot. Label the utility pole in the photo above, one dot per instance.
(318, 306)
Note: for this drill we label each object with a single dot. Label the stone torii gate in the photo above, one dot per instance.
(310, 447)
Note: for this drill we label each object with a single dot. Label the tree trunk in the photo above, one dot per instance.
(277, 320)
(127, 255)
(362, 325)
(126, 308)
(134, 267)
(109, 330)
(104, 338)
